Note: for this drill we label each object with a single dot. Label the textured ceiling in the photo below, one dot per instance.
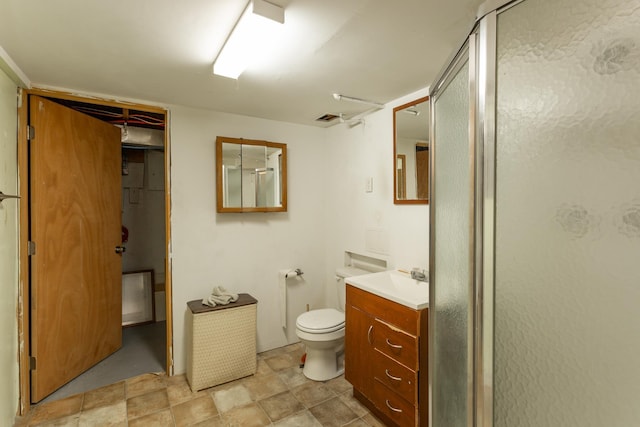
(162, 51)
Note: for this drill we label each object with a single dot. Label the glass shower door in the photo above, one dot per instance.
(450, 296)
(567, 241)
(535, 210)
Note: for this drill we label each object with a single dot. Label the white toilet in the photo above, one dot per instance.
(322, 332)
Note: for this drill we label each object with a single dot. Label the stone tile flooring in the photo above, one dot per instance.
(278, 394)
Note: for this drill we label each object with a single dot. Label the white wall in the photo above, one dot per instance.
(243, 252)
(398, 233)
(9, 390)
(329, 212)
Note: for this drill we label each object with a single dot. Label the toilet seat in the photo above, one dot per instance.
(320, 321)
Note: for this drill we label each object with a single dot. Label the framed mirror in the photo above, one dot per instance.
(251, 175)
(411, 152)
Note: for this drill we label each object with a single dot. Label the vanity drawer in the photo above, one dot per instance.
(396, 344)
(393, 406)
(395, 314)
(396, 377)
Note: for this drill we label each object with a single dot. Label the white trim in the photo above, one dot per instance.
(13, 71)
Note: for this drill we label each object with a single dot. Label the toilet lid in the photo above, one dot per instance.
(320, 321)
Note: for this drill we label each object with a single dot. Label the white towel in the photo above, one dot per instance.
(220, 296)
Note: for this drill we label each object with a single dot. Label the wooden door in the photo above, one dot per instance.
(76, 290)
(358, 353)
(401, 177)
(422, 171)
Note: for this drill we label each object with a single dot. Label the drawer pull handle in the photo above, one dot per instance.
(386, 371)
(392, 408)
(369, 334)
(393, 345)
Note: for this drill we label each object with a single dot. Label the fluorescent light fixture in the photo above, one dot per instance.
(412, 112)
(250, 39)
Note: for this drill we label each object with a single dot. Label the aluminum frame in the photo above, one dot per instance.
(473, 229)
(480, 48)
(485, 219)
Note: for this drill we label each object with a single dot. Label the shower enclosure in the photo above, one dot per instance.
(535, 219)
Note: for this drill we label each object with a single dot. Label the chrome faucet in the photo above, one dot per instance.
(420, 275)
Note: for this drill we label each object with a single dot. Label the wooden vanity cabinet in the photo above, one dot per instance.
(386, 357)
(358, 349)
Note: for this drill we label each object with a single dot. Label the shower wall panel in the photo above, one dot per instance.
(567, 254)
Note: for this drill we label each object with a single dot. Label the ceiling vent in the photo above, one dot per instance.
(326, 117)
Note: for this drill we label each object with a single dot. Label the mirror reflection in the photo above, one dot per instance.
(411, 152)
(251, 175)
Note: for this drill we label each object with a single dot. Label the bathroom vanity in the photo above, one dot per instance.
(386, 346)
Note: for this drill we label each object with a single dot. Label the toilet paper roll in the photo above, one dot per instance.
(292, 273)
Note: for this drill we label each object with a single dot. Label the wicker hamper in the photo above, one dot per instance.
(221, 342)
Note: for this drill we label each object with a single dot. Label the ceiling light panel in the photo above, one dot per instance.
(253, 37)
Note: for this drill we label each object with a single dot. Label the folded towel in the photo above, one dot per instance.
(220, 296)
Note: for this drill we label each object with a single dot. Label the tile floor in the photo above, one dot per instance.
(278, 394)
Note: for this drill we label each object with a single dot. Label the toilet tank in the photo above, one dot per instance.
(341, 274)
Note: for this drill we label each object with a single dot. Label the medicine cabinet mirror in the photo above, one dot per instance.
(411, 152)
(251, 175)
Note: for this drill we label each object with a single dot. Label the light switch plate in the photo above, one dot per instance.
(369, 186)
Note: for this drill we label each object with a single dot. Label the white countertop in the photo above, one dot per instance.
(395, 286)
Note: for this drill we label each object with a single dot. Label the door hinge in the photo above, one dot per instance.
(19, 97)
(32, 363)
(31, 248)
(31, 133)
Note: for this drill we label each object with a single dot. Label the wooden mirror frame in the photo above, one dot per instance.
(219, 190)
(396, 200)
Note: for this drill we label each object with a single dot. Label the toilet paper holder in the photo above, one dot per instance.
(282, 285)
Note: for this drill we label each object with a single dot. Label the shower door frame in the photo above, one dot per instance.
(485, 218)
(462, 57)
(481, 45)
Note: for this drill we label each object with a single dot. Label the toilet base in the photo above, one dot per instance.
(323, 364)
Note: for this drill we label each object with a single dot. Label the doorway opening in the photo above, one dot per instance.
(144, 270)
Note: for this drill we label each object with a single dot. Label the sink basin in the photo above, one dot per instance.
(395, 286)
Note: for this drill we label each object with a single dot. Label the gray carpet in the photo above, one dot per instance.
(143, 350)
